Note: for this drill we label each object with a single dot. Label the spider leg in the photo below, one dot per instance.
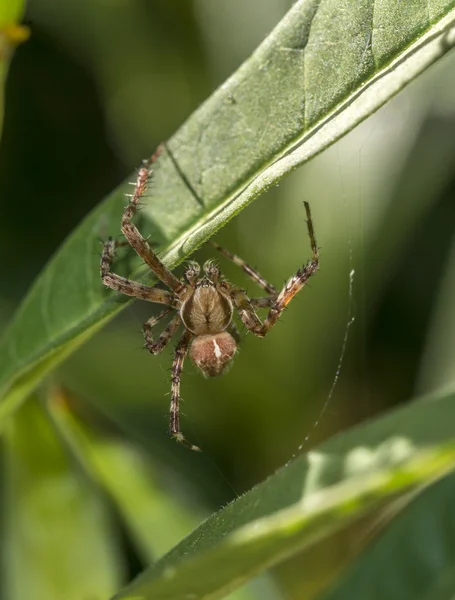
(127, 286)
(135, 239)
(174, 422)
(264, 302)
(245, 307)
(252, 273)
(158, 345)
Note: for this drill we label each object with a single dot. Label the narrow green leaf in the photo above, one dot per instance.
(416, 552)
(326, 67)
(437, 366)
(308, 500)
(57, 542)
(155, 521)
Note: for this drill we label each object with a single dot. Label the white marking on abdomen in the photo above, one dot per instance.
(218, 352)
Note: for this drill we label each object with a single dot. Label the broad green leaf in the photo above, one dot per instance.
(326, 67)
(57, 541)
(11, 34)
(306, 501)
(416, 552)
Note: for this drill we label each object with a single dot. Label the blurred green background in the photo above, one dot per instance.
(94, 90)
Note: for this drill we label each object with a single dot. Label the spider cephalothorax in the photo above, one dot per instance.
(204, 304)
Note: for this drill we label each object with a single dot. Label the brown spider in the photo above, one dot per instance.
(204, 304)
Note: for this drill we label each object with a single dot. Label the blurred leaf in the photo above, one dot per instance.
(155, 520)
(437, 367)
(416, 552)
(11, 34)
(11, 11)
(414, 194)
(306, 85)
(57, 541)
(308, 500)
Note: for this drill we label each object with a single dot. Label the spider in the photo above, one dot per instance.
(204, 304)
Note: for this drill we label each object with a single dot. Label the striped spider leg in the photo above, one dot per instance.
(275, 301)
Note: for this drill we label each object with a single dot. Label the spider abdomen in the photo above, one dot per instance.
(212, 353)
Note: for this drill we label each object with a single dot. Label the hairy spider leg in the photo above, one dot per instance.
(245, 307)
(158, 345)
(263, 302)
(252, 273)
(127, 286)
(181, 351)
(135, 239)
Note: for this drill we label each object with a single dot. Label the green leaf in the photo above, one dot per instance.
(11, 34)
(416, 551)
(326, 67)
(437, 365)
(311, 498)
(57, 541)
(154, 520)
(11, 12)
